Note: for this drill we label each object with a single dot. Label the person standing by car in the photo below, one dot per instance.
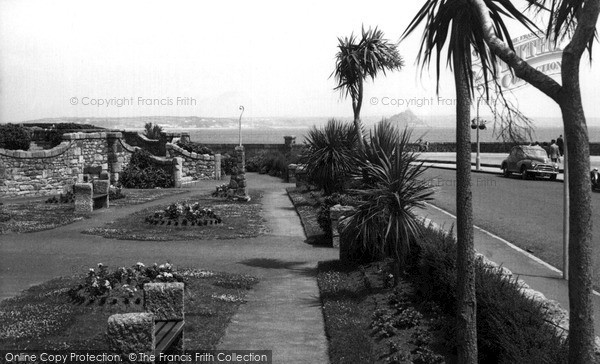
(561, 145)
(554, 151)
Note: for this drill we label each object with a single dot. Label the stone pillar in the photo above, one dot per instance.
(336, 214)
(131, 333)
(238, 190)
(290, 141)
(291, 173)
(84, 202)
(177, 171)
(164, 300)
(217, 166)
(114, 164)
(301, 177)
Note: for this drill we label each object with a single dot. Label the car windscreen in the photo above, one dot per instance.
(536, 153)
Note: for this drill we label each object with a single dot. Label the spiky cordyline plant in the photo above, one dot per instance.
(332, 155)
(357, 61)
(385, 223)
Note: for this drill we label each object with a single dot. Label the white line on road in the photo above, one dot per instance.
(526, 253)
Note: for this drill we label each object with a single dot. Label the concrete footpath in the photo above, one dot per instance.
(538, 274)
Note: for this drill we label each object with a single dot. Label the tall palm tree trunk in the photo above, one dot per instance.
(356, 107)
(581, 335)
(465, 255)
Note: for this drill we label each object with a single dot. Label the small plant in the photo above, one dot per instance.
(184, 214)
(423, 355)
(68, 197)
(115, 193)
(221, 190)
(152, 131)
(382, 323)
(407, 318)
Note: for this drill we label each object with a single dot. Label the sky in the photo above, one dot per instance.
(197, 58)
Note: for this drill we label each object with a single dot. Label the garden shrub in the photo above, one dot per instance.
(142, 172)
(193, 147)
(510, 327)
(14, 137)
(152, 131)
(228, 163)
(272, 163)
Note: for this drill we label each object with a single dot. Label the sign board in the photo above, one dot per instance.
(539, 51)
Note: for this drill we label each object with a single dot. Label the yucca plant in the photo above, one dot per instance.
(332, 155)
(384, 224)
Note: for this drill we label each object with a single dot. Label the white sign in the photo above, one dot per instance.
(540, 52)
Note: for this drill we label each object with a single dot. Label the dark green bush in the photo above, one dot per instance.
(227, 164)
(193, 147)
(152, 131)
(14, 137)
(142, 172)
(510, 327)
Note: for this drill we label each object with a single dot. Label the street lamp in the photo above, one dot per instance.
(240, 132)
(478, 124)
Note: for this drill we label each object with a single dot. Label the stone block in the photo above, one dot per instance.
(84, 202)
(164, 300)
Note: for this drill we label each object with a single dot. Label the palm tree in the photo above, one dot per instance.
(357, 61)
(577, 18)
(384, 224)
(332, 155)
(455, 24)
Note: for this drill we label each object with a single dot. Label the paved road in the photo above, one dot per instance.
(526, 213)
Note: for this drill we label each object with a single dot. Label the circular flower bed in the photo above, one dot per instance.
(183, 214)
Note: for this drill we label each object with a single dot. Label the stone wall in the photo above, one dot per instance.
(252, 150)
(51, 171)
(196, 166)
(54, 171)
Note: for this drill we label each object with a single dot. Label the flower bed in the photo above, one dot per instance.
(183, 214)
(122, 284)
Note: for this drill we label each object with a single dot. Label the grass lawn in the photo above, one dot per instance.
(240, 220)
(47, 317)
(36, 215)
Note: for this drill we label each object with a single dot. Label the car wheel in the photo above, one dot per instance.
(524, 173)
(505, 172)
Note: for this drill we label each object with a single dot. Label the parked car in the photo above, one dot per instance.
(595, 176)
(529, 161)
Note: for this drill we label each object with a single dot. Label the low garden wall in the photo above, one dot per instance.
(252, 150)
(53, 171)
(196, 166)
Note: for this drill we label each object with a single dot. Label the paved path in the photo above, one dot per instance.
(283, 312)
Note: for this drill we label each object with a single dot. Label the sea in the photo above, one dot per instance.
(431, 134)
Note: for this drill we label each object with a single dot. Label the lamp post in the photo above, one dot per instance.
(240, 132)
(478, 124)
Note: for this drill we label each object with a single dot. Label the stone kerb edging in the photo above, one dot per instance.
(177, 149)
(557, 316)
(48, 153)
